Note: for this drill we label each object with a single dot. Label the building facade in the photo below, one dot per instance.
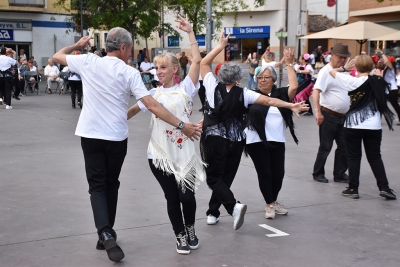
(35, 26)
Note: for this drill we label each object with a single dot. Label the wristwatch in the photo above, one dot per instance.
(181, 124)
(343, 68)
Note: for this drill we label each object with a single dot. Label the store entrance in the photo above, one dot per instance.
(17, 48)
(239, 49)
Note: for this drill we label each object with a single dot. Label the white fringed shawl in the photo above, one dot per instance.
(171, 150)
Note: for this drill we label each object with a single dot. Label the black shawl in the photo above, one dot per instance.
(228, 117)
(366, 100)
(257, 114)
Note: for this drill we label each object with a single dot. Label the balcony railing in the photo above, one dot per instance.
(32, 3)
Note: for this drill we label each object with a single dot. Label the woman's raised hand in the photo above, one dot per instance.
(289, 55)
(349, 64)
(223, 40)
(183, 24)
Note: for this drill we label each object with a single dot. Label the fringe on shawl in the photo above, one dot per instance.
(185, 177)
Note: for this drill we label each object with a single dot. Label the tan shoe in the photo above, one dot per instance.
(270, 211)
(279, 208)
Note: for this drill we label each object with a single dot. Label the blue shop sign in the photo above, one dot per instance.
(248, 32)
(173, 41)
(201, 40)
(6, 35)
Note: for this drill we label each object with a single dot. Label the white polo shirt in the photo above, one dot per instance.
(51, 70)
(146, 65)
(333, 95)
(107, 84)
(6, 62)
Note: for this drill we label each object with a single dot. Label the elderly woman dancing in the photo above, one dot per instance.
(265, 135)
(172, 156)
(363, 123)
(223, 136)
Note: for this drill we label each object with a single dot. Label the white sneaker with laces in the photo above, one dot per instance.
(8, 107)
(279, 208)
(238, 215)
(211, 220)
(270, 211)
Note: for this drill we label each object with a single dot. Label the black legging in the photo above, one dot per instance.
(202, 94)
(6, 86)
(175, 197)
(269, 162)
(76, 88)
(392, 97)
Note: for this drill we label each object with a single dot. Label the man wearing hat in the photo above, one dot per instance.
(330, 105)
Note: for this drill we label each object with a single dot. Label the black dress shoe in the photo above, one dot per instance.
(344, 178)
(73, 106)
(114, 252)
(320, 178)
(16, 97)
(201, 110)
(100, 246)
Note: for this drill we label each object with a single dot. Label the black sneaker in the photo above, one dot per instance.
(16, 97)
(320, 178)
(80, 104)
(351, 193)
(182, 243)
(193, 241)
(344, 178)
(387, 193)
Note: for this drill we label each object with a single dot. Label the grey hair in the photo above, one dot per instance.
(116, 37)
(229, 73)
(261, 71)
(49, 59)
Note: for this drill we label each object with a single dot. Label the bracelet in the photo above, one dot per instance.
(344, 69)
(193, 43)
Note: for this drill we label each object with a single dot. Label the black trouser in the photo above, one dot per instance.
(184, 69)
(221, 170)
(175, 197)
(269, 162)
(392, 97)
(202, 94)
(76, 88)
(6, 86)
(20, 87)
(331, 130)
(103, 162)
(372, 145)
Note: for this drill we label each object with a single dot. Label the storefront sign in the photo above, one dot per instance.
(248, 32)
(201, 40)
(6, 35)
(13, 25)
(173, 41)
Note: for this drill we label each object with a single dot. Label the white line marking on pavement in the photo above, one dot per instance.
(272, 229)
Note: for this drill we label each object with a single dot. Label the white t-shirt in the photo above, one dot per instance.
(51, 70)
(107, 83)
(333, 95)
(390, 77)
(187, 85)
(312, 57)
(274, 128)
(350, 83)
(308, 67)
(210, 82)
(328, 58)
(154, 72)
(65, 69)
(146, 66)
(6, 62)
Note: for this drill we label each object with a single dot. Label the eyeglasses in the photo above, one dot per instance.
(264, 77)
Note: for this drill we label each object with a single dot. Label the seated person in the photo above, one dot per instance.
(144, 68)
(32, 58)
(51, 71)
(32, 79)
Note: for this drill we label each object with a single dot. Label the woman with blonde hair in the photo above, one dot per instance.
(172, 156)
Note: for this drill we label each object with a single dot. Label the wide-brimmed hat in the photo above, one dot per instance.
(341, 50)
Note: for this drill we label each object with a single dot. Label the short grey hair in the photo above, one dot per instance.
(229, 73)
(116, 37)
(261, 70)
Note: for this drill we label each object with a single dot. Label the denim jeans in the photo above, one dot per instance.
(372, 145)
(331, 130)
(103, 163)
(251, 82)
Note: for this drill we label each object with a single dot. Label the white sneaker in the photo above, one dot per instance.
(270, 211)
(211, 220)
(8, 107)
(279, 209)
(238, 215)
